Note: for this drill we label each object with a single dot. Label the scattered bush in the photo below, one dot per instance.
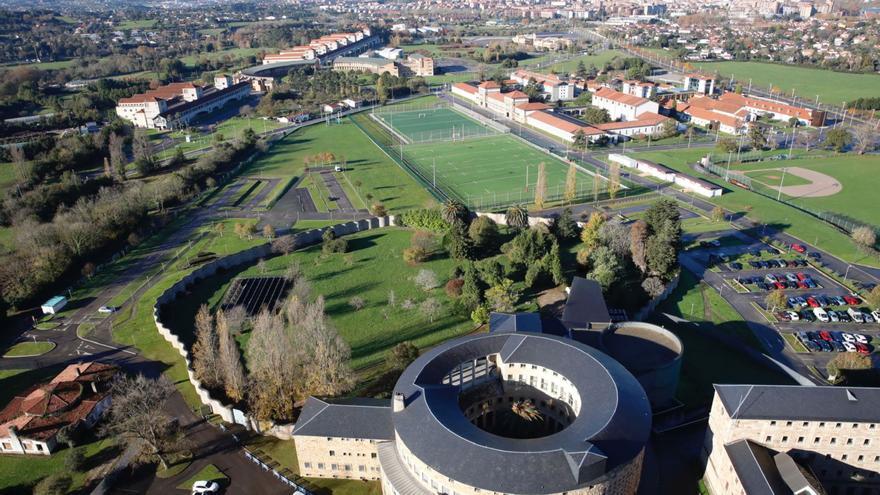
(427, 280)
(425, 219)
(332, 244)
(378, 209)
(414, 255)
(453, 287)
(357, 303)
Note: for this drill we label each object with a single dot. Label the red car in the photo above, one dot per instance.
(862, 348)
(799, 248)
(802, 285)
(801, 276)
(779, 285)
(824, 335)
(813, 302)
(852, 300)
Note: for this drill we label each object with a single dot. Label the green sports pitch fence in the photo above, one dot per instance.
(487, 174)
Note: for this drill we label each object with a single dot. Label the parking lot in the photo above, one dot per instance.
(751, 271)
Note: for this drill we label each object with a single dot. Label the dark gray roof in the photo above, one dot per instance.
(794, 476)
(348, 418)
(374, 61)
(611, 429)
(585, 304)
(516, 322)
(756, 469)
(845, 404)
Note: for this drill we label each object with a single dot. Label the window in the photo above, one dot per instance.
(838, 425)
(347, 467)
(833, 441)
(773, 423)
(321, 465)
(800, 440)
(822, 424)
(362, 468)
(788, 423)
(308, 465)
(849, 441)
(373, 455)
(768, 439)
(843, 457)
(332, 453)
(334, 467)
(806, 423)
(784, 438)
(866, 442)
(816, 440)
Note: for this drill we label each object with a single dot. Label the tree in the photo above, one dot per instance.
(613, 179)
(565, 226)
(480, 315)
(284, 244)
(378, 209)
(116, 144)
(431, 308)
(88, 269)
(757, 137)
(268, 231)
(75, 460)
(717, 214)
(590, 234)
(863, 136)
(503, 296)
(775, 299)
(653, 286)
(838, 139)
(595, 115)
(864, 237)
(484, 232)
(580, 140)
(273, 361)
(517, 217)
(332, 244)
(138, 417)
(570, 184)
(402, 355)
(541, 186)
(471, 290)
(357, 303)
(426, 280)
(460, 245)
(206, 350)
(661, 255)
(454, 211)
(638, 246)
(605, 266)
(232, 372)
(581, 71)
(553, 264)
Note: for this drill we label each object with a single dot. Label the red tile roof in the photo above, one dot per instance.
(490, 85)
(533, 106)
(465, 87)
(644, 120)
(563, 124)
(625, 99)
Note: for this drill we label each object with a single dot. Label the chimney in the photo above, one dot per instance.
(399, 402)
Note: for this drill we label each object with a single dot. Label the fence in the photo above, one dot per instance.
(284, 475)
(842, 222)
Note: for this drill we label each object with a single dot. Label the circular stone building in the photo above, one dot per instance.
(651, 353)
(515, 413)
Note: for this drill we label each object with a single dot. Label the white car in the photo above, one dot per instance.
(793, 316)
(848, 337)
(849, 346)
(821, 315)
(876, 315)
(106, 310)
(833, 315)
(861, 339)
(203, 487)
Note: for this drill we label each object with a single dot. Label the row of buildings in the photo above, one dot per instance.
(666, 174)
(732, 113)
(324, 45)
(542, 43)
(175, 105)
(413, 65)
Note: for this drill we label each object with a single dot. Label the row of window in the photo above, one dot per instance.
(822, 424)
(341, 467)
(816, 440)
(344, 454)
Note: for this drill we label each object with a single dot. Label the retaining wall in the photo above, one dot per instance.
(251, 255)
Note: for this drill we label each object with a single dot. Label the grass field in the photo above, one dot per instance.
(431, 124)
(854, 172)
(28, 348)
(599, 60)
(342, 276)
(366, 164)
(233, 53)
(833, 88)
(493, 169)
(768, 211)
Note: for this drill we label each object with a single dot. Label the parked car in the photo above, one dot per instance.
(833, 315)
(801, 276)
(868, 317)
(808, 315)
(802, 285)
(205, 487)
(799, 248)
(826, 346)
(838, 346)
(821, 315)
(852, 300)
(802, 262)
(779, 285)
(844, 316)
(813, 336)
(861, 338)
(810, 283)
(754, 264)
(771, 278)
(106, 310)
(849, 346)
(876, 315)
(862, 348)
(823, 301)
(856, 315)
(824, 335)
(801, 301)
(792, 302)
(838, 301)
(735, 266)
(762, 285)
(815, 255)
(793, 316)
(836, 335)
(813, 347)
(848, 337)
(813, 302)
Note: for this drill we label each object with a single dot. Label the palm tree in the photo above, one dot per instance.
(454, 211)
(517, 216)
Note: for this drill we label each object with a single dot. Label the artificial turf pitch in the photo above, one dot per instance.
(433, 124)
(493, 170)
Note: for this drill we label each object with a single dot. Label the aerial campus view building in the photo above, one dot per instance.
(538, 405)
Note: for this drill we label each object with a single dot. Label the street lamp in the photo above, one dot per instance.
(846, 274)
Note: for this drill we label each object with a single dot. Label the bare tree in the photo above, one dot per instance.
(284, 244)
(431, 308)
(206, 349)
(426, 279)
(274, 364)
(137, 417)
(541, 187)
(234, 380)
(653, 286)
(864, 137)
(326, 371)
(864, 237)
(638, 246)
(613, 180)
(19, 160)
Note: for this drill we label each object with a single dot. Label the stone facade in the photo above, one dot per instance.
(334, 457)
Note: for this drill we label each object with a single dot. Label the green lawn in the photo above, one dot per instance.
(833, 88)
(231, 128)
(19, 473)
(367, 167)
(340, 277)
(431, 124)
(701, 225)
(29, 348)
(765, 210)
(706, 361)
(139, 24)
(492, 170)
(598, 60)
(855, 173)
(233, 53)
(207, 473)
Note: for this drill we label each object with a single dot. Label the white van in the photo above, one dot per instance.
(821, 315)
(856, 315)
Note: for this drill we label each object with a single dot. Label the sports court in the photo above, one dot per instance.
(420, 125)
(493, 170)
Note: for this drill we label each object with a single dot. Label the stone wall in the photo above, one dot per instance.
(251, 255)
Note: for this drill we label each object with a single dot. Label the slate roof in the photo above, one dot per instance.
(515, 322)
(756, 469)
(611, 429)
(844, 404)
(585, 304)
(348, 418)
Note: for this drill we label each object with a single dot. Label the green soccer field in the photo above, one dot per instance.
(433, 124)
(493, 171)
